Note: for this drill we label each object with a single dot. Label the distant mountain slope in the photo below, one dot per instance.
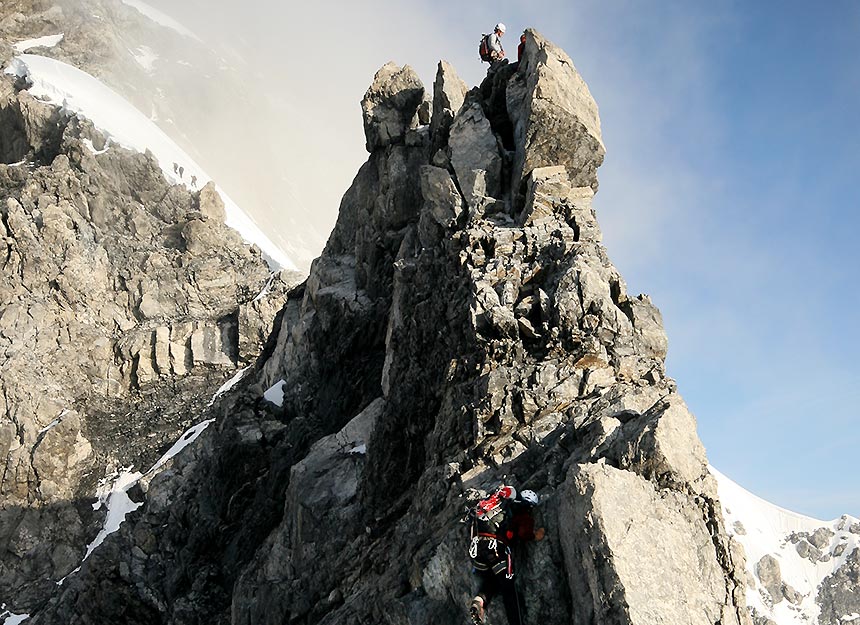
(801, 570)
(78, 92)
(203, 95)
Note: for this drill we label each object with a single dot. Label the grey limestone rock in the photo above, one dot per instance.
(768, 571)
(839, 593)
(116, 312)
(607, 511)
(475, 154)
(808, 551)
(211, 204)
(821, 537)
(449, 92)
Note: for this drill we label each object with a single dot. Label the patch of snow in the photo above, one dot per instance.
(13, 619)
(850, 617)
(767, 529)
(78, 92)
(49, 41)
(160, 18)
(230, 384)
(18, 164)
(262, 294)
(275, 394)
(359, 449)
(119, 505)
(145, 57)
(92, 148)
(184, 441)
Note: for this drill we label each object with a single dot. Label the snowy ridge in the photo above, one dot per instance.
(766, 529)
(161, 18)
(78, 92)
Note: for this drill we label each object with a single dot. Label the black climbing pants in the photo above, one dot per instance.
(490, 585)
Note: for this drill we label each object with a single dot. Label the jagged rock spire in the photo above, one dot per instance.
(463, 326)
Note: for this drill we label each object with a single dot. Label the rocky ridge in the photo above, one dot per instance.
(464, 325)
(124, 304)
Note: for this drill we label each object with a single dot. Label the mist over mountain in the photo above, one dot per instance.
(193, 435)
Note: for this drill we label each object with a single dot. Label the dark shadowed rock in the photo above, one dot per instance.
(390, 105)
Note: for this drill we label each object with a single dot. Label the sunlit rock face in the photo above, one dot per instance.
(125, 302)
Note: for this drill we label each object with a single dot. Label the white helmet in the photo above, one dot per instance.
(530, 497)
(500, 27)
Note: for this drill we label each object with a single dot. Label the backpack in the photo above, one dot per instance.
(491, 514)
(484, 49)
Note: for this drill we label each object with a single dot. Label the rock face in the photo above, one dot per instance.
(552, 110)
(839, 595)
(124, 303)
(463, 326)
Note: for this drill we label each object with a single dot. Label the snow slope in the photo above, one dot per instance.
(765, 529)
(48, 41)
(78, 92)
(161, 18)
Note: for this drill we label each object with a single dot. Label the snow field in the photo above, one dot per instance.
(764, 528)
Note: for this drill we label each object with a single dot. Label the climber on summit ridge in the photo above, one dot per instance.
(491, 49)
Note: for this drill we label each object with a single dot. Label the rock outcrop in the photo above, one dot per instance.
(124, 304)
(463, 326)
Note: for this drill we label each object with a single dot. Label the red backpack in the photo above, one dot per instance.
(489, 512)
(484, 49)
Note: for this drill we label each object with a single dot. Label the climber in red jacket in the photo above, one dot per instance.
(499, 523)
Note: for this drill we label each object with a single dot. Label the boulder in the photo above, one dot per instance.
(475, 154)
(769, 574)
(390, 105)
(441, 198)
(554, 115)
(635, 554)
(211, 204)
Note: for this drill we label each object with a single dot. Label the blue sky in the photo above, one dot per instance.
(728, 193)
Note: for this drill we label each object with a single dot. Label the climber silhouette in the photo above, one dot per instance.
(498, 524)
